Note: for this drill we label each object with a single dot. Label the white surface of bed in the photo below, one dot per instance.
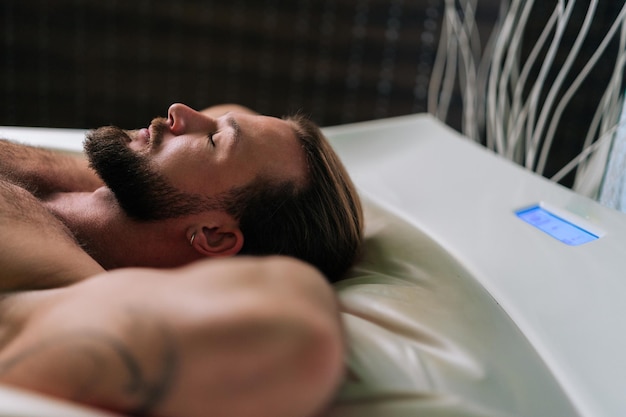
(65, 140)
(543, 320)
(459, 308)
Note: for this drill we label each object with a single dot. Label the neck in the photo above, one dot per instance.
(112, 238)
(91, 218)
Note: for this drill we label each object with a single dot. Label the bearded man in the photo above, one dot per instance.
(237, 336)
(198, 185)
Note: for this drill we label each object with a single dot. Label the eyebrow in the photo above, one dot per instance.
(236, 128)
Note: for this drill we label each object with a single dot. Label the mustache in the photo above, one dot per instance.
(158, 127)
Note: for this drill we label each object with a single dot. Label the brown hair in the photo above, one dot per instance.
(319, 222)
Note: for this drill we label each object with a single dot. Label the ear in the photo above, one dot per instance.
(215, 241)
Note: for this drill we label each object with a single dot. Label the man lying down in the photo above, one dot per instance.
(112, 298)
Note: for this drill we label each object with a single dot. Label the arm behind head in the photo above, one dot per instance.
(239, 336)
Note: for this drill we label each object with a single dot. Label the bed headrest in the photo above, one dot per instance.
(425, 338)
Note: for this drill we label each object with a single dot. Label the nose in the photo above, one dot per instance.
(183, 119)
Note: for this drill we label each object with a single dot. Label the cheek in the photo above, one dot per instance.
(243, 169)
(181, 166)
(193, 174)
(193, 168)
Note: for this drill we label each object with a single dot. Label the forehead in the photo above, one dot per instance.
(263, 126)
(274, 144)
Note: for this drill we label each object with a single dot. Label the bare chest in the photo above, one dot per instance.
(36, 249)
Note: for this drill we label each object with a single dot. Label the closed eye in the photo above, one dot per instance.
(211, 139)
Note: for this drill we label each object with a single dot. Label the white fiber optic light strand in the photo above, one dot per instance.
(501, 107)
(580, 78)
(586, 152)
(463, 32)
(469, 48)
(608, 113)
(484, 69)
(495, 130)
(512, 78)
(472, 58)
(436, 78)
(444, 71)
(546, 110)
(533, 139)
(519, 108)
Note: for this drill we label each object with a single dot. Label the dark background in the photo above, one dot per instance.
(83, 64)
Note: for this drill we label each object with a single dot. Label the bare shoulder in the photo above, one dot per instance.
(239, 336)
(220, 109)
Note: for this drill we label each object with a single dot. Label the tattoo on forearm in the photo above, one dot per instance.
(146, 381)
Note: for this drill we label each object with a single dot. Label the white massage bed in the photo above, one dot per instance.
(460, 307)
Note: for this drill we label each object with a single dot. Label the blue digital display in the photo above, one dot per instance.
(563, 230)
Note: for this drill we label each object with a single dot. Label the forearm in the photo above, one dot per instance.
(229, 338)
(43, 171)
(270, 342)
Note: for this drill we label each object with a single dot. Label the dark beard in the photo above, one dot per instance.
(141, 192)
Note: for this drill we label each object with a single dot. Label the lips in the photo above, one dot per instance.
(137, 139)
(144, 134)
